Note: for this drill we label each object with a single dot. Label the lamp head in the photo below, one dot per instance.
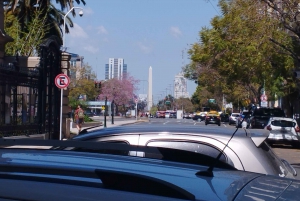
(81, 13)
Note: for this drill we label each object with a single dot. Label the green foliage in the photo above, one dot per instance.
(27, 39)
(82, 83)
(153, 110)
(185, 104)
(73, 103)
(87, 119)
(236, 55)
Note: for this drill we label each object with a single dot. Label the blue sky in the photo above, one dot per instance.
(144, 33)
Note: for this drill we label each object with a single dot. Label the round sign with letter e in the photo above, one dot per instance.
(62, 81)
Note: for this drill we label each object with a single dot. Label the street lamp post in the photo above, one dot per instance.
(64, 30)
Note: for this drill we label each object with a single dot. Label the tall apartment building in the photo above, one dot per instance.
(115, 68)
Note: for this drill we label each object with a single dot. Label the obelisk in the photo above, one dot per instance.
(150, 101)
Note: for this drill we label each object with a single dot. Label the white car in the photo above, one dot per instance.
(232, 118)
(167, 115)
(283, 130)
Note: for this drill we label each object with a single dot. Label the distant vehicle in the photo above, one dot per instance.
(160, 114)
(167, 114)
(186, 116)
(173, 115)
(232, 118)
(89, 113)
(213, 117)
(199, 116)
(224, 117)
(261, 116)
(283, 130)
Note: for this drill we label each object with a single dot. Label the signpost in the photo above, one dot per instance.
(61, 81)
(264, 100)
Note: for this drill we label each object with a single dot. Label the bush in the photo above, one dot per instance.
(87, 119)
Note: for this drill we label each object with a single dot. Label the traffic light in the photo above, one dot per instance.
(97, 85)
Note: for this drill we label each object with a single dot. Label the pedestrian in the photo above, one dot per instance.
(79, 117)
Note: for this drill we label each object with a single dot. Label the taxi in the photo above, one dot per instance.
(213, 117)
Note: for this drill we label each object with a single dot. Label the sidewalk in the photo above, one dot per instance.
(117, 122)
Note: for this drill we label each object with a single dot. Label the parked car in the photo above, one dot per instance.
(247, 150)
(39, 174)
(167, 114)
(224, 117)
(261, 116)
(213, 118)
(232, 118)
(89, 113)
(197, 117)
(173, 115)
(186, 116)
(283, 130)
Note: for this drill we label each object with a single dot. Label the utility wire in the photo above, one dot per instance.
(213, 7)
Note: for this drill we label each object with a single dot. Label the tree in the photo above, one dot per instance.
(236, 56)
(82, 83)
(24, 11)
(185, 104)
(288, 14)
(25, 43)
(120, 91)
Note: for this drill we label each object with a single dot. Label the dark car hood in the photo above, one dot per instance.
(270, 188)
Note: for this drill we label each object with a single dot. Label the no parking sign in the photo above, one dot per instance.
(62, 81)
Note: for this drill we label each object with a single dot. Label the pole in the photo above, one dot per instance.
(112, 112)
(60, 119)
(105, 112)
(64, 30)
(136, 111)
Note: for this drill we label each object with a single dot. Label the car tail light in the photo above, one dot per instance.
(269, 127)
(297, 129)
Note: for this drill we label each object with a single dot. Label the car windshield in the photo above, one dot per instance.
(283, 123)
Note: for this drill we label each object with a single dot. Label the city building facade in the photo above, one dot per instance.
(76, 63)
(180, 86)
(115, 68)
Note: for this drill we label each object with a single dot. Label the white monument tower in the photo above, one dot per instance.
(150, 101)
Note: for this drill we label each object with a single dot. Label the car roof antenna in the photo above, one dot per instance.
(209, 171)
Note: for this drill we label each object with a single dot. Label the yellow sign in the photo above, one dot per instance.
(103, 107)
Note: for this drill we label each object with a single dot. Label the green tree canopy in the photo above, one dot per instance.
(236, 56)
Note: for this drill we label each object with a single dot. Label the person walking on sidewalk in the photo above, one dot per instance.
(79, 117)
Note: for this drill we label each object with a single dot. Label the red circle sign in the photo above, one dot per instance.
(136, 100)
(62, 81)
(263, 98)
